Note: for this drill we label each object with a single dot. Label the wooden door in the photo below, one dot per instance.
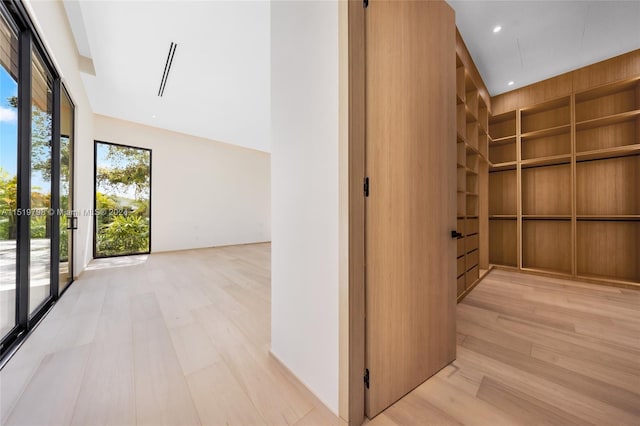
(410, 210)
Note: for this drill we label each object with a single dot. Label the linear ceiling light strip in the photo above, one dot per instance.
(167, 68)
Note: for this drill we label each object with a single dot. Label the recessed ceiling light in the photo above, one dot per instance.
(497, 29)
(511, 83)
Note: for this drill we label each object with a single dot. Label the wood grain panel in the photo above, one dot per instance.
(502, 153)
(609, 249)
(609, 136)
(502, 192)
(546, 190)
(503, 242)
(546, 146)
(357, 105)
(615, 69)
(546, 244)
(410, 86)
(608, 187)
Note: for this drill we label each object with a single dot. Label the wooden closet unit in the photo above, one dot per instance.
(564, 182)
(472, 139)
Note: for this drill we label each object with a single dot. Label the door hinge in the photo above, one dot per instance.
(366, 377)
(366, 186)
(365, 3)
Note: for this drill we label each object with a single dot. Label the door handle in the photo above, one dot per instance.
(455, 234)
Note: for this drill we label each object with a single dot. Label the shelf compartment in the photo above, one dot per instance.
(471, 276)
(503, 152)
(471, 243)
(461, 156)
(460, 266)
(483, 144)
(461, 180)
(546, 190)
(609, 250)
(460, 89)
(609, 135)
(545, 116)
(471, 226)
(503, 242)
(608, 187)
(472, 205)
(503, 126)
(555, 141)
(461, 121)
(601, 154)
(546, 245)
(472, 162)
(472, 105)
(471, 260)
(608, 100)
(472, 184)
(460, 246)
(483, 116)
(461, 204)
(461, 285)
(503, 193)
(472, 134)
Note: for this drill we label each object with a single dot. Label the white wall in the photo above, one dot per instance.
(204, 193)
(51, 21)
(304, 194)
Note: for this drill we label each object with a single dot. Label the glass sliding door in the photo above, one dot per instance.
(41, 138)
(122, 200)
(67, 217)
(8, 174)
(36, 179)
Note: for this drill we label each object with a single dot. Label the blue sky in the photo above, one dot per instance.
(8, 124)
(9, 131)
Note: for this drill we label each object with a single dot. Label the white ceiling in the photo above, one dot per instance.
(542, 39)
(219, 84)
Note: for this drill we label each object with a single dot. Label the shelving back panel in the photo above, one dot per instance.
(503, 125)
(608, 100)
(503, 193)
(546, 244)
(548, 115)
(612, 135)
(546, 190)
(503, 246)
(503, 152)
(546, 146)
(609, 249)
(608, 187)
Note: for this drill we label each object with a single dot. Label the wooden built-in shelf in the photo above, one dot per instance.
(546, 217)
(552, 131)
(606, 120)
(601, 154)
(615, 217)
(571, 166)
(546, 161)
(511, 165)
(503, 140)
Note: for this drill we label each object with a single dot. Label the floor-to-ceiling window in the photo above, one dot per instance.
(122, 200)
(39, 215)
(36, 177)
(8, 173)
(68, 218)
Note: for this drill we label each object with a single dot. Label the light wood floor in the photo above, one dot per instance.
(532, 351)
(177, 338)
(183, 338)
